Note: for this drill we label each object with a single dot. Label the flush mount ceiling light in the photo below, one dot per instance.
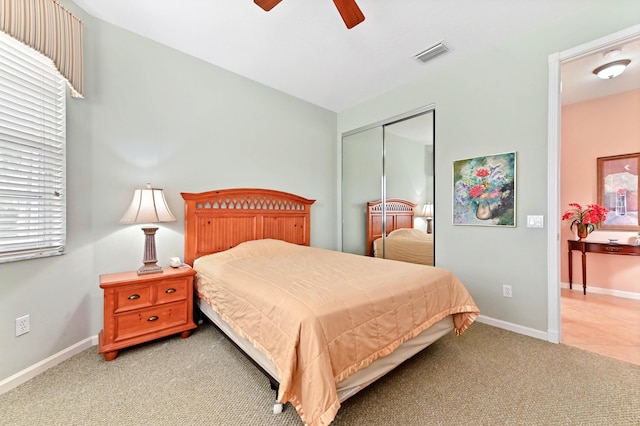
(612, 69)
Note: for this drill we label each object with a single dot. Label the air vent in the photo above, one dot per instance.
(432, 52)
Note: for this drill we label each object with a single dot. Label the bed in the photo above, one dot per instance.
(402, 241)
(407, 245)
(320, 324)
(399, 214)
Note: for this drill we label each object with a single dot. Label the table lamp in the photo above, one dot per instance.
(148, 206)
(427, 213)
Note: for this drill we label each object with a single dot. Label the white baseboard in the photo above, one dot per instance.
(520, 329)
(42, 366)
(599, 290)
(552, 335)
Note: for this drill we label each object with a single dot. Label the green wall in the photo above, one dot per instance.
(494, 103)
(153, 114)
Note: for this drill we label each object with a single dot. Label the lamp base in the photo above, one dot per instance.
(429, 228)
(149, 269)
(150, 259)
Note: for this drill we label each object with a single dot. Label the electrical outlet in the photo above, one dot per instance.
(22, 325)
(506, 290)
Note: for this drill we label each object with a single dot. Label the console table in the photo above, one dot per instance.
(595, 247)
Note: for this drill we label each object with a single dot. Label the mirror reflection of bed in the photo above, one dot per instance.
(402, 240)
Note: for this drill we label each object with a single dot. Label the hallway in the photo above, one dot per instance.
(603, 324)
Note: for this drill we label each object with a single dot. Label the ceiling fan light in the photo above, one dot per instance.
(612, 69)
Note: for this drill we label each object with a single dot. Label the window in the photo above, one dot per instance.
(32, 154)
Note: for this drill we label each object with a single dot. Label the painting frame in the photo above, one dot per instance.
(484, 190)
(618, 181)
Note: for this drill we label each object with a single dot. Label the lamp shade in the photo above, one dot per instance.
(427, 210)
(148, 206)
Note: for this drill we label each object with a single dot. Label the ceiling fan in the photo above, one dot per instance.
(349, 10)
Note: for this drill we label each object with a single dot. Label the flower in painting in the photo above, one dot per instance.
(482, 173)
(476, 191)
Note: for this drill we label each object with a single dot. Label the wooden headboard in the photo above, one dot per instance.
(399, 215)
(218, 220)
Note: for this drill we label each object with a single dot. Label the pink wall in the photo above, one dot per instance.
(597, 128)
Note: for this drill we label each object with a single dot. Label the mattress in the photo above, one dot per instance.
(359, 380)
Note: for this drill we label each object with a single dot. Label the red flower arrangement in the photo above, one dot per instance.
(585, 219)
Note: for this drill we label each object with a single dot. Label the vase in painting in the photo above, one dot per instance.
(483, 212)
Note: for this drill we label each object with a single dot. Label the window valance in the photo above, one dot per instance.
(50, 29)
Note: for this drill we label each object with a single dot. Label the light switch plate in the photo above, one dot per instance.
(535, 221)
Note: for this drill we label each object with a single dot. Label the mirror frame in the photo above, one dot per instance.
(602, 163)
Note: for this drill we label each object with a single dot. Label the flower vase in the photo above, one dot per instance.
(483, 212)
(583, 231)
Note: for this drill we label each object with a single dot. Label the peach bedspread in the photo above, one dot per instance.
(407, 245)
(321, 315)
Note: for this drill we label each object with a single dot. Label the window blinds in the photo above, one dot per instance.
(32, 154)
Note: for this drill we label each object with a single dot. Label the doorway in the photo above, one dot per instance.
(555, 255)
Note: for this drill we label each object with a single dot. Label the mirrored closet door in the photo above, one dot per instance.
(388, 189)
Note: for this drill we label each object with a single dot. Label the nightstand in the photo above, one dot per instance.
(140, 308)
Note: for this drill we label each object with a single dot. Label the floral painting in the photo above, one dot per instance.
(484, 190)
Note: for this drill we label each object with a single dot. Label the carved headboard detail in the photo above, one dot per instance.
(218, 220)
(399, 215)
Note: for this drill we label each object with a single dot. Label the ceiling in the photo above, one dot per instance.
(580, 84)
(302, 47)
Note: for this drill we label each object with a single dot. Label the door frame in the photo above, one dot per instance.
(554, 322)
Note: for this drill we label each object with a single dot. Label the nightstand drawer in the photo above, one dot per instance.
(171, 290)
(149, 320)
(132, 297)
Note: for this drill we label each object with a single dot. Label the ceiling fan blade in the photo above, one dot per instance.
(267, 5)
(350, 12)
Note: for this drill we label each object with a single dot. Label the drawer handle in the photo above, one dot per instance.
(170, 290)
(134, 297)
(152, 318)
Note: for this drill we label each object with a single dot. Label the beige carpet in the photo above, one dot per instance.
(486, 377)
